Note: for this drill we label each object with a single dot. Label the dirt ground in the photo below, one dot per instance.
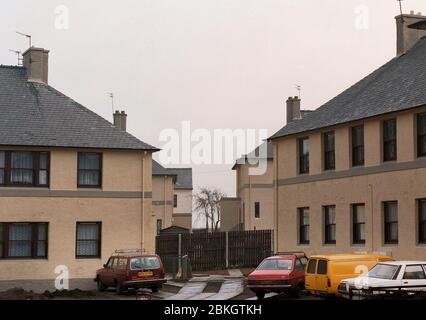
(21, 294)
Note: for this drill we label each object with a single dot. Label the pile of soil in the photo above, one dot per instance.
(21, 294)
(76, 293)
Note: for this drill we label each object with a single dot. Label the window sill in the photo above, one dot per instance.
(88, 258)
(393, 244)
(86, 188)
(358, 245)
(23, 259)
(303, 174)
(23, 187)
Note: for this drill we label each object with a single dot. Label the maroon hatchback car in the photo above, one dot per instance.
(284, 272)
(128, 269)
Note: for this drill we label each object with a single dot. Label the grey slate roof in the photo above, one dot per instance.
(398, 85)
(255, 154)
(159, 170)
(184, 177)
(35, 114)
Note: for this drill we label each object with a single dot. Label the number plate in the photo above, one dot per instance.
(145, 274)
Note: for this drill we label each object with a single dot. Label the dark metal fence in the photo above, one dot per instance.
(215, 250)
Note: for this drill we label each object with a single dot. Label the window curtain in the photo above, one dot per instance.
(22, 167)
(42, 175)
(2, 164)
(42, 240)
(20, 235)
(88, 239)
(89, 168)
(1, 240)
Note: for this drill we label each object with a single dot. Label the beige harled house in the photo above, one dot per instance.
(351, 176)
(172, 196)
(182, 197)
(253, 207)
(73, 187)
(163, 183)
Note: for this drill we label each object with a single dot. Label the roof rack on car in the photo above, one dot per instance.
(129, 251)
(290, 252)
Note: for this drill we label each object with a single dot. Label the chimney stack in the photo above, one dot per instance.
(36, 61)
(120, 120)
(293, 109)
(410, 28)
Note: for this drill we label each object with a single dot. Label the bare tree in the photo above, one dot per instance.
(207, 205)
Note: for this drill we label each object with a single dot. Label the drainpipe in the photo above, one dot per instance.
(275, 235)
(143, 200)
(370, 186)
(249, 196)
(165, 200)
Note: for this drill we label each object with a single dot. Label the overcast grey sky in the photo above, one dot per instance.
(217, 63)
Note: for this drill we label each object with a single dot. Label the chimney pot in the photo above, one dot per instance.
(407, 36)
(36, 62)
(120, 120)
(293, 109)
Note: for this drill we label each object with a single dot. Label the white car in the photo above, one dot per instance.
(386, 277)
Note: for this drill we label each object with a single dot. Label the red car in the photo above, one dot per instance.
(131, 270)
(284, 272)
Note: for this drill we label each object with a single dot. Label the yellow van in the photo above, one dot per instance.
(324, 272)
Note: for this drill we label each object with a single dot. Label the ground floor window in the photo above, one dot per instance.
(88, 241)
(159, 226)
(25, 240)
(330, 224)
(422, 221)
(303, 225)
(358, 223)
(391, 222)
(257, 210)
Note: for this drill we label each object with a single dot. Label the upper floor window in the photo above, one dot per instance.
(421, 135)
(89, 169)
(304, 155)
(390, 209)
(358, 146)
(23, 240)
(329, 151)
(2, 167)
(330, 224)
(389, 140)
(257, 210)
(303, 225)
(175, 201)
(358, 223)
(24, 168)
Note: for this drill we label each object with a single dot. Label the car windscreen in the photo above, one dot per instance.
(144, 263)
(383, 271)
(276, 264)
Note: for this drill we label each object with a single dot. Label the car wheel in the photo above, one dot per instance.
(118, 288)
(100, 285)
(260, 295)
(154, 289)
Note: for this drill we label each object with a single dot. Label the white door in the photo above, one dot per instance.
(414, 277)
